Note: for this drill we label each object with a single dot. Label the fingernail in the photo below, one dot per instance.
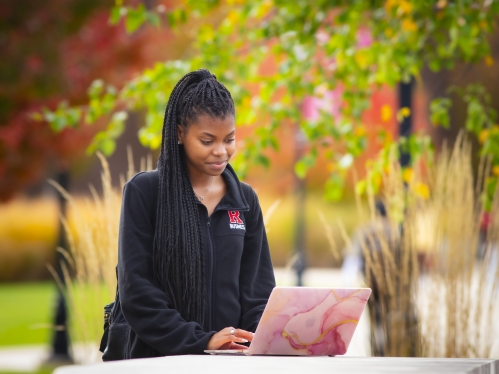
(244, 340)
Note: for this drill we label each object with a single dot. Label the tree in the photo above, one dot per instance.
(311, 65)
(280, 58)
(48, 57)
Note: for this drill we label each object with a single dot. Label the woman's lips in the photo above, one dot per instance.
(217, 165)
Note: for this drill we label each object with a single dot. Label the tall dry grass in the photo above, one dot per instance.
(90, 277)
(435, 277)
(463, 281)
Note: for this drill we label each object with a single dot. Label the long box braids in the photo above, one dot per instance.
(178, 249)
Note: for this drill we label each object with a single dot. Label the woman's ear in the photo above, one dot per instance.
(180, 134)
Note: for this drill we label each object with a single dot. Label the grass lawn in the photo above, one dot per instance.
(39, 371)
(26, 312)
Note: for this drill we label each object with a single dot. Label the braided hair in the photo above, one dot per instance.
(178, 249)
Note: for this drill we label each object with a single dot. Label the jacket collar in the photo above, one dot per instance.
(234, 197)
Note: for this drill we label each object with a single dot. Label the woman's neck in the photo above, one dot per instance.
(200, 180)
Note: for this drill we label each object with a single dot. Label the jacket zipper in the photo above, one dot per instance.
(210, 285)
(212, 268)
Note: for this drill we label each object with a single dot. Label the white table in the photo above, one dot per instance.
(224, 364)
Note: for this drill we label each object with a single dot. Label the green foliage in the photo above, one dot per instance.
(62, 117)
(306, 162)
(135, 17)
(439, 112)
(481, 121)
(102, 101)
(420, 147)
(313, 49)
(105, 141)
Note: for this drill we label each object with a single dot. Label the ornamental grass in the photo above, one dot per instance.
(431, 262)
(89, 269)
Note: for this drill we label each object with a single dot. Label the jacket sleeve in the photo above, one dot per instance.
(143, 302)
(257, 275)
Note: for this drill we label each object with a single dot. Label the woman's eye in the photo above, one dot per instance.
(206, 142)
(230, 140)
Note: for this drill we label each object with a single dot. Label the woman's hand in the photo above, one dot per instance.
(228, 338)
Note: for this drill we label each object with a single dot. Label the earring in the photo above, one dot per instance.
(178, 142)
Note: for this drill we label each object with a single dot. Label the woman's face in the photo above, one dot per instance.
(209, 143)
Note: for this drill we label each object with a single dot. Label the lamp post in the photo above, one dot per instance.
(60, 338)
(405, 127)
(299, 234)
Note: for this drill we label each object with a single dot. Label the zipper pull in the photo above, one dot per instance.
(209, 220)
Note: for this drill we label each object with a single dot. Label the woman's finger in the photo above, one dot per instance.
(238, 339)
(244, 334)
(237, 346)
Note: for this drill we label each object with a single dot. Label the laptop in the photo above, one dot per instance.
(307, 321)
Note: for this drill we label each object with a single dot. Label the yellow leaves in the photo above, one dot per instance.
(407, 175)
(409, 25)
(489, 61)
(340, 60)
(405, 7)
(206, 33)
(388, 139)
(246, 102)
(403, 113)
(362, 59)
(402, 7)
(233, 17)
(264, 9)
(422, 190)
(331, 166)
(386, 113)
(360, 131)
(495, 170)
(484, 134)
(376, 181)
(419, 188)
(404, 10)
(390, 4)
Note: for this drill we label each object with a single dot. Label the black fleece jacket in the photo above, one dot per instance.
(239, 274)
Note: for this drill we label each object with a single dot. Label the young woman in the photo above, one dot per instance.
(194, 268)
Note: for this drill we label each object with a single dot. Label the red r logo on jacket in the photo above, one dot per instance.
(234, 217)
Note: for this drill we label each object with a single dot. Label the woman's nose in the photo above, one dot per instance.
(219, 150)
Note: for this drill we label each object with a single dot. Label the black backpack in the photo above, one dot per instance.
(115, 341)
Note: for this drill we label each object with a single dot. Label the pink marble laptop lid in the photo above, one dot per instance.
(309, 321)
